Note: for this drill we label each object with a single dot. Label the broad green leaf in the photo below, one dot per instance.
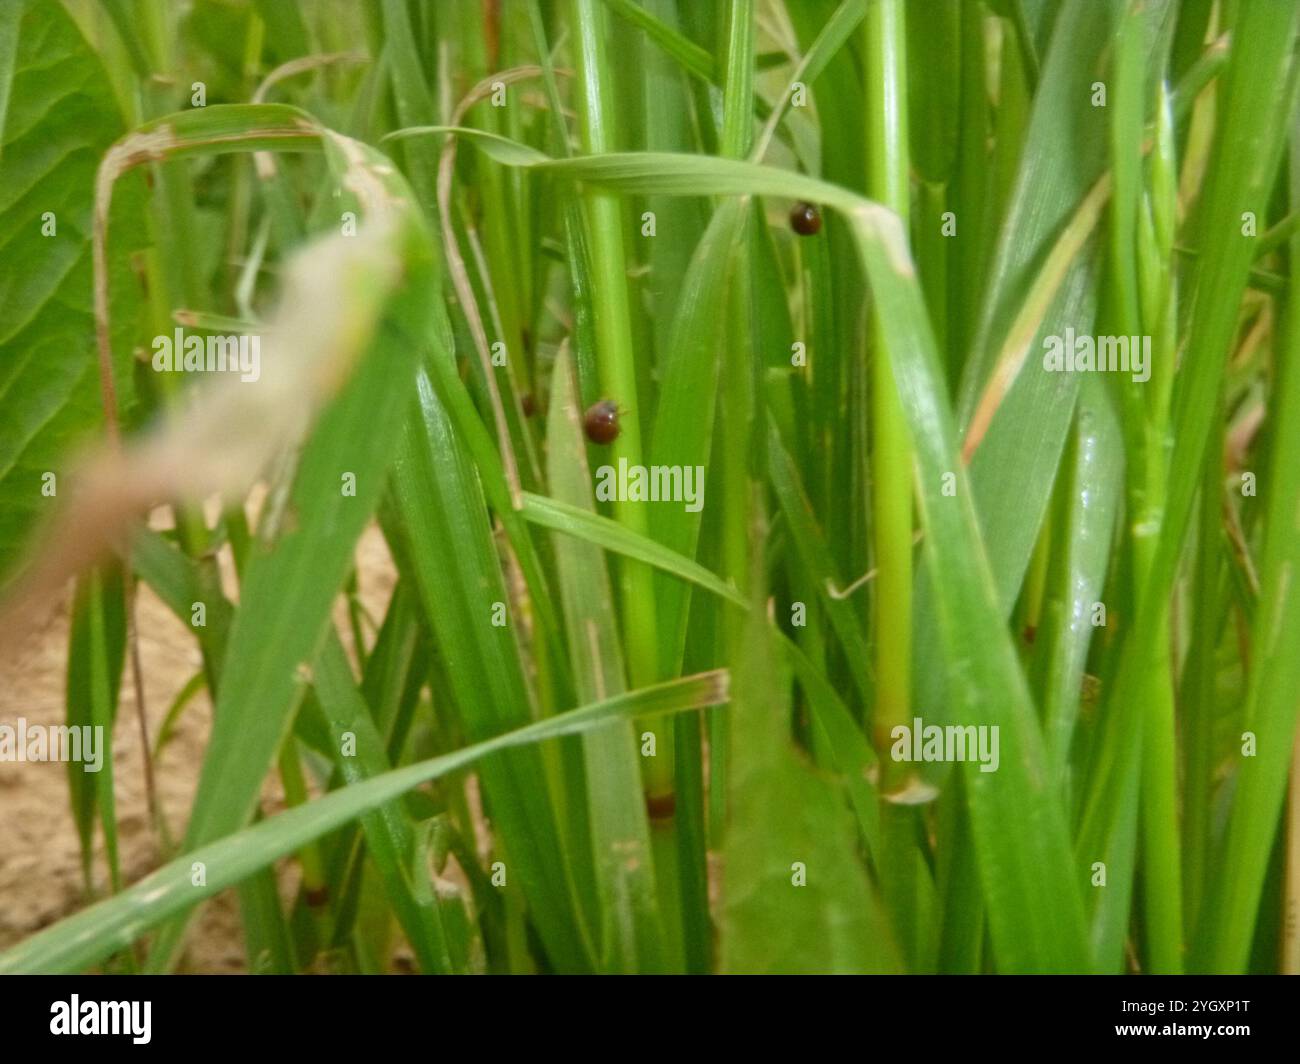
(56, 120)
(795, 898)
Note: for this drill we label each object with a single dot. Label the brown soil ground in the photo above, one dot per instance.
(40, 862)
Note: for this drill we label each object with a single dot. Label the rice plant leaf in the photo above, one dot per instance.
(1232, 908)
(1090, 513)
(268, 943)
(839, 90)
(690, 55)
(852, 755)
(109, 601)
(443, 517)
(494, 145)
(563, 517)
(390, 835)
(391, 838)
(182, 582)
(934, 88)
(1021, 873)
(286, 598)
(836, 32)
(81, 940)
(632, 935)
(684, 417)
(809, 542)
(1240, 176)
(103, 710)
(1064, 154)
(455, 398)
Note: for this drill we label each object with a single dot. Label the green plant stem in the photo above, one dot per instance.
(615, 361)
(891, 464)
(1133, 245)
(891, 481)
(101, 702)
(736, 400)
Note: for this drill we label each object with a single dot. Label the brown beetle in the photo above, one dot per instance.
(805, 219)
(601, 421)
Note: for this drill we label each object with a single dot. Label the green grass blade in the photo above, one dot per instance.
(1251, 116)
(1232, 907)
(442, 516)
(81, 940)
(390, 836)
(82, 697)
(632, 935)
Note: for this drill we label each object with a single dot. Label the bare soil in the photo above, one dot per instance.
(40, 858)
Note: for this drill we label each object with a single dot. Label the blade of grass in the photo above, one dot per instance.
(615, 361)
(104, 596)
(390, 836)
(633, 936)
(1230, 911)
(440, 507)
(1251, 115)
(80, 940)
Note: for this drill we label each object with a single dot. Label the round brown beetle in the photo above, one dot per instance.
(805, 219)
(601, 421)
